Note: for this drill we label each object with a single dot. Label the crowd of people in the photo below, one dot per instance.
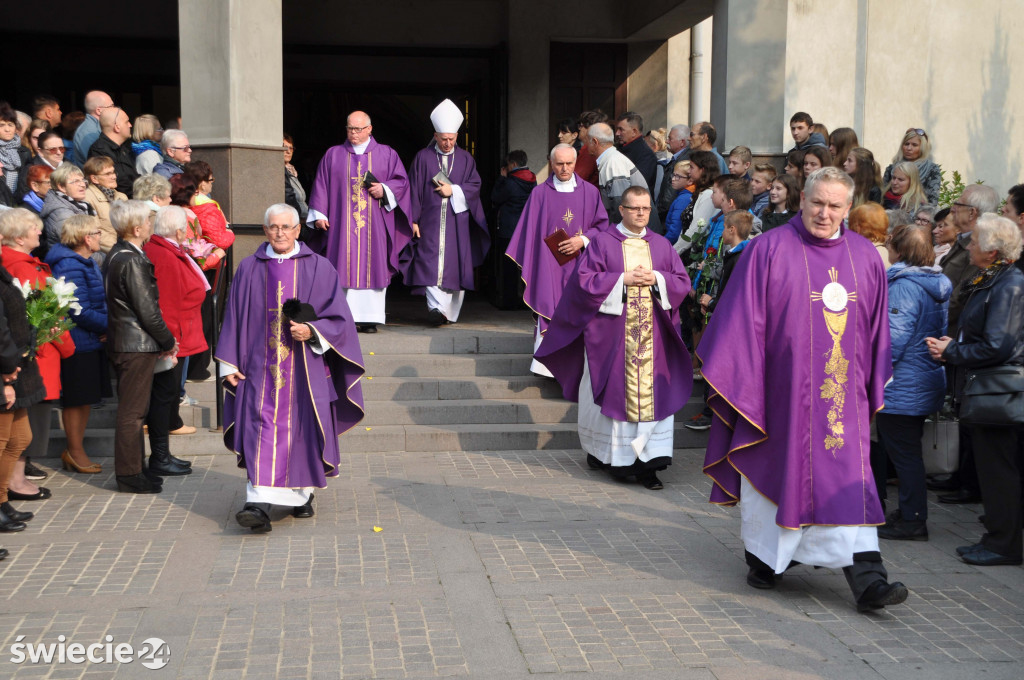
(647, 257)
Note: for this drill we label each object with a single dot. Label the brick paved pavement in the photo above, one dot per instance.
(497, 564)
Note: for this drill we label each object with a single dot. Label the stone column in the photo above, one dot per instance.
(748, 75)
(232, 102)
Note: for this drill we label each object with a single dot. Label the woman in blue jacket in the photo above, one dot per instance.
(918, 309)
(85, 377)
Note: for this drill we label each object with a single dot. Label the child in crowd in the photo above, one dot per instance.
(761, 184)
(784, 201)
(739, 160)
(735, 237)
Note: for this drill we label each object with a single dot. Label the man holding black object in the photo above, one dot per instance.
(614, 345)
(291, 360)
(448, 224)
(563, 205)
(359, 207)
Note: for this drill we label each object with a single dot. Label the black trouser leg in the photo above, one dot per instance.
(900, 435)
(866, 569)
(997, 455)
(968, 469)
(163, 394)
(879, 466)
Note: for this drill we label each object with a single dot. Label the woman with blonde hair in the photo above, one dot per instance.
(146, 135)
(904, 190)
(917, 148)
(84, 376)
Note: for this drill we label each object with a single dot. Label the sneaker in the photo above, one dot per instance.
(699, 422)
(189, 401)
(34, 473)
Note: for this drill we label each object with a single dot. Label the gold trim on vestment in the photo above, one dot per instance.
(639, 336)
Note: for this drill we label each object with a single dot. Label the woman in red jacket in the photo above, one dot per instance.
(20, 230)
(182, 289)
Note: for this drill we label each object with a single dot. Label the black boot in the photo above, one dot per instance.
(256, 516)
(14, 514)
(180, 461)
(139, 483)
(304, 511)
(8, 523)
(160, 458)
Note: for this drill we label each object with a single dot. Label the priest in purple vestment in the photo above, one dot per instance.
(291, 359)
(797, 357)
(360, 199)
(449, 229)
(562, 202)
(614, 345)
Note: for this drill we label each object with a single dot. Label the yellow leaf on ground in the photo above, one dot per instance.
(377, 530)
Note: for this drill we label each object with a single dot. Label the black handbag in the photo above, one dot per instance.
(993, 396)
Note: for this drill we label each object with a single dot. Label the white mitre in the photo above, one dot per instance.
(446, 117)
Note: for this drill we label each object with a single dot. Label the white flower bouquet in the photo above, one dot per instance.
(49, 309)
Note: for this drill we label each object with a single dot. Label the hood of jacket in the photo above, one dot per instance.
(931, 279)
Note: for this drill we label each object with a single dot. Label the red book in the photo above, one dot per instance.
(553, 240)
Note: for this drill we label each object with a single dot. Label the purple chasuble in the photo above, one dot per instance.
(641, 347)
(579, 212)
(797, 355)
(364, 240)
(450, 245)
(293, 403)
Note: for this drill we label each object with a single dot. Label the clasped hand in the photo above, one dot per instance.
(571, 245)
(936, 346)
(640, 276)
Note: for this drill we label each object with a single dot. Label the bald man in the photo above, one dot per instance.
(359, 211)
(115, 142)
(96, 102)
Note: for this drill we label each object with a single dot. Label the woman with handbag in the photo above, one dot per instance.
(990, 348)
(918, 308)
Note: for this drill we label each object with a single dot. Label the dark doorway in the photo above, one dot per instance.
(586, 76)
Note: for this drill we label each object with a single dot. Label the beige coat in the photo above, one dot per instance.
(95, 198)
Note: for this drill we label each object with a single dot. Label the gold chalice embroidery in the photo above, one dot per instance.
(835, 297)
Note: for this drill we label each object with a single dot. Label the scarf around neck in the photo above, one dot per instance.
(982, 278)
(12, 161)
(138, 148)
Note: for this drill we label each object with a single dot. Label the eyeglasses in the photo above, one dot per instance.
(918, 131)
(961, 205)
(76, 181)
(675, 176)
(637, 210)
(352, 128)
(180, 148)
(274, 229)
(923, 221)
(288, 147)
(54, 149)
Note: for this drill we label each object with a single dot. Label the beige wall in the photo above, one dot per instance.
(943, 66)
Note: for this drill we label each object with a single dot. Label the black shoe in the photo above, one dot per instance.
(304, 511)
(652, 482)
(3, 553)
(366, 327)
(699, 422)
(40, 495)
(904, 530)
(880, 594)
(152, 477)
(436, 317)
(255, 516)
(8, 523)
(34, 473)
(943, 483)
(160, 458)
(983, 557)
(14, 514)
(595, 464)
(960, 497)
(139, 483)
(762, 579)
(179, 461)
(964, 549)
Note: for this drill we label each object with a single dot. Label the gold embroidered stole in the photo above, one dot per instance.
(359, 214)
(639, 336)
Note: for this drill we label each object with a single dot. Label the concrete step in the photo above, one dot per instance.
(481, 437)
(433, 365)
(106, 417)
(483, 387)
(100, 442)
(407, 340)
(482, 411)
